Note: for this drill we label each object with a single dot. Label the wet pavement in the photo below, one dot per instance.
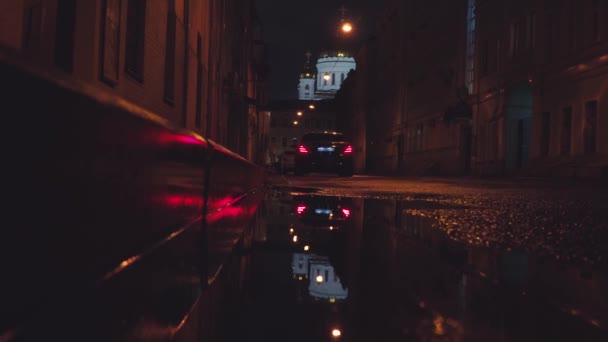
(358, 260)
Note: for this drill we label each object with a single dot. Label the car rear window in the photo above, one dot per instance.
(323, 137)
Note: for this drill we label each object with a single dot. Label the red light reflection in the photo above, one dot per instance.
(346, 212)
(301, 209)
(168, 138)
(184, 201)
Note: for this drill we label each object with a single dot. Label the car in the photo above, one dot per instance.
(324, 152)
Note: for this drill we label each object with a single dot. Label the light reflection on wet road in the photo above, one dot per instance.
(376, 272)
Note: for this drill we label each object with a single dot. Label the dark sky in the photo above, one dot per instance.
(292, 27)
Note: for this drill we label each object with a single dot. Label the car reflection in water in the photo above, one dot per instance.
(318, 263)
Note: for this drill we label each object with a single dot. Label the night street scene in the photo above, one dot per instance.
(314, 171)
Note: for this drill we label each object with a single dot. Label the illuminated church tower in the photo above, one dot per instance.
(326, 79)
(306, 88)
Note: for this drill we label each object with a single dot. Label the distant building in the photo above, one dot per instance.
(482, 87)
(325, 80)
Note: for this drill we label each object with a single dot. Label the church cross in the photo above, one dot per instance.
(342, 10)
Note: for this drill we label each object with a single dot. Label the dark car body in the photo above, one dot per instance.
(324, 152)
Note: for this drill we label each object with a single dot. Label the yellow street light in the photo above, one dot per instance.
(326, 76)
(299, 113)
(336, 333)
(319, 279)
(311, 106)
(295, 123)
(347, 27)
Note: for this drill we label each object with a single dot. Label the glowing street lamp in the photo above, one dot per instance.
(311, 106)
(326, 76)
(336, 333)
(295, 123)
(347, 27)
(299, 113)
(319, 279)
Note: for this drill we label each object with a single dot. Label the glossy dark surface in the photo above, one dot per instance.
(119, 220)
(392, 276)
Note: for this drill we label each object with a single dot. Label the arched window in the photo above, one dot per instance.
(333, 78)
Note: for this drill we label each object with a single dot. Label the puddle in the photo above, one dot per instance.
(328, 268)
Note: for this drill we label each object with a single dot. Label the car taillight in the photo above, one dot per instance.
(302, 149)
(348, 150)
(346, 212)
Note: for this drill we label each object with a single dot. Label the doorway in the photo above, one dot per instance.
(518, 126)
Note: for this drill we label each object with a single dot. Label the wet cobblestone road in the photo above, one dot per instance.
(384, 259)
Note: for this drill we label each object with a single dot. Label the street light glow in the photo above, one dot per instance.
(295, 123)
(319, 279)
(336, 333)
(312, 106)
(347, 27)
(326, 76)
(299, 113)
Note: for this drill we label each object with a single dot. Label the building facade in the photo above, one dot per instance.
(191, 62)
(410, 75)
(541, 88)
(483, 87)
(324, 81)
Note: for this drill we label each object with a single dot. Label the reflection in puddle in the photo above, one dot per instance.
(374, 272)
(323, 281)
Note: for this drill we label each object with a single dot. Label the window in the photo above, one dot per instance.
(199, 80)
(571, 27)
(595, 21)
(342, 78)
(513, 40)
(590, 128)
(498, 59)
(532, 30)
(470, 48)
(333, 78)
(33, 27)
(545, 138)
(419, 136)
(483, 58)
(550, 33)
(322, 137)
(136, 23)
(64, 34)
(110, 41)
(169, 87)
(566, 131)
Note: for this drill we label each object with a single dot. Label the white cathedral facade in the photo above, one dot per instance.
(324, 81)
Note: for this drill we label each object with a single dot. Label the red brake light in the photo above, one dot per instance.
(302, 149)
(346, 212)
(348, 150)
(301, 209)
